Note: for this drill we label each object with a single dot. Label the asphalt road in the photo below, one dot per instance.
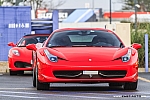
(20, 88)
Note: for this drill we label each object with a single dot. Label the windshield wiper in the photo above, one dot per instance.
(103, 46)
(79, 45)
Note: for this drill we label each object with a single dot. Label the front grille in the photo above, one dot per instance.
(19, 64)
(112, 73)
(65, 74)
(101, 74)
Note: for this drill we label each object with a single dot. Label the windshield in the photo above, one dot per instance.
(84, 38)
(31, 40)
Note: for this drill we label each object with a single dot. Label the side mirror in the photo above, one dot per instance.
(11, 44)
(136, 46)
(31, 47)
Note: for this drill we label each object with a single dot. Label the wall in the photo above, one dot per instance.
(85, 24)
(121, 29)
(15, 22)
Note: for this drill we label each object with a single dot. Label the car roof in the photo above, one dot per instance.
(66, 29)
(36, 35)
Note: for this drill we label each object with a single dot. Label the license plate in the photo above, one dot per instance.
(90, 72)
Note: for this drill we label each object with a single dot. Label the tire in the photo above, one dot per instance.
(115, 84)
(39, 85)
(131, 85)
(34, 78)
(12, 73)
(34, 72)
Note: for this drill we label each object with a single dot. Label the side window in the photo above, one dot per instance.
(31, 41)
(23, 43)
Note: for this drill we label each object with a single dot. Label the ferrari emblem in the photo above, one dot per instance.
(90, 75)
(90, 59)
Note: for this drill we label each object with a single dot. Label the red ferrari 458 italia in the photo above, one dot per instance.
(19, 57)
(85, 55)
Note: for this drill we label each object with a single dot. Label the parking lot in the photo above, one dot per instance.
(20, 88)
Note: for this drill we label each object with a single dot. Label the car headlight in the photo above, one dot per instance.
(51, 57)
(127, 56)
(16, 52)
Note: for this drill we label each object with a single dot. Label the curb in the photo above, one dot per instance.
(143, 70)
(4, 67)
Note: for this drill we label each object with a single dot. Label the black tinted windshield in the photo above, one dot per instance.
(84, 38)
(32, 40)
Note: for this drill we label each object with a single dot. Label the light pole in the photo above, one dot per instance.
(110, 10)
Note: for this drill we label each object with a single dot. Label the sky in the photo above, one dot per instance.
(104, 4)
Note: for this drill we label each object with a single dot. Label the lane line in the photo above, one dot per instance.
(76, 96)
(144, 79)
(54, 92)
(17, 88)
(12, 92)
(27, 97)
(56, 95)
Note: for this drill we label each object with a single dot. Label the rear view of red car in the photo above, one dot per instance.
(19, 58)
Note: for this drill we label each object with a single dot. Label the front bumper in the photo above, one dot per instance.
(20, 64)
(132, 78)
(47, 72)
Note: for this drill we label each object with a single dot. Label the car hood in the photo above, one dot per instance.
(88, 53)
(24, 52)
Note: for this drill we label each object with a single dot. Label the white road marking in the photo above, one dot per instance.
(73, 95)
(144, 79)
(27, 97)
(56, 95)
(17, 88)
(7, 93)
(17, 92)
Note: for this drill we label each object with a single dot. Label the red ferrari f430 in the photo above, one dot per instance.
(19, 57)
(85, 55)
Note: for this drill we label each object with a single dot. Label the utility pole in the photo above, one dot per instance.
(110, 10)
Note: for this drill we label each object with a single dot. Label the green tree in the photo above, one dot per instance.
(37, 4)
(129, 5)
(1, 3)
(46, 4)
